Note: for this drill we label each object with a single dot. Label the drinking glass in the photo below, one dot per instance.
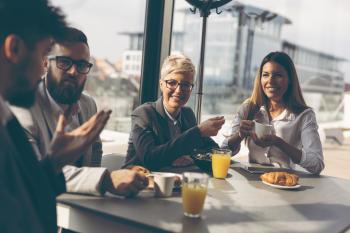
(194, 191)
(220, 160)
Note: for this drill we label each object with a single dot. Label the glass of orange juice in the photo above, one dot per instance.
(194, 191)
(220, 160)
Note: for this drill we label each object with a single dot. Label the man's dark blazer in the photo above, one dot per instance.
(150, 144)
(28, 188)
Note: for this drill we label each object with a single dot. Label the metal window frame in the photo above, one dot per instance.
(156, 46)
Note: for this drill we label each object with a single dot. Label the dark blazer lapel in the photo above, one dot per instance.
(86, 157)
(187, 119)
(160, 108)
(163, 130)
(44, 102)
(184, 124)
(82, 114)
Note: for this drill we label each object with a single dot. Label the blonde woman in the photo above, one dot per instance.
(164, 131)
(277, 100)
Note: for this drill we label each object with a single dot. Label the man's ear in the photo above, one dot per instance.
(46, 64)
(14, 48)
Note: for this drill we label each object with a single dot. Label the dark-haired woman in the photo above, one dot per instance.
(277, 100)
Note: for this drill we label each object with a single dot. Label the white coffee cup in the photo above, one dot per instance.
(262, 129)
(164, 184)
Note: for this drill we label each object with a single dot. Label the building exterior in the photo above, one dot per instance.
(318, 72)
(132, 60)
(321, 79)
(236, 42)
(113, 90)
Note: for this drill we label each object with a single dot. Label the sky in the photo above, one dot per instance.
(103, 20)
(323, 25)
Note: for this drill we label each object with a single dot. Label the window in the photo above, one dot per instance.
(314, 33)
(113, 29)
(234, 50)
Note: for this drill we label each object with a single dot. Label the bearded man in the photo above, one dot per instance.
(60, 92)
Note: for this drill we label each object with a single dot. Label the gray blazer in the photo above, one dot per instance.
(40, 125)
(150, 143)
(28, 187)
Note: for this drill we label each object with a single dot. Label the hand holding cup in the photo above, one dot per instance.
(245, 128)
(262, 130)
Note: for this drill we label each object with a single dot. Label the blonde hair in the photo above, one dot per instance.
(177, 63)
(293, 98)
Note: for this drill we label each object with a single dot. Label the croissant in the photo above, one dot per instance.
(280, 178)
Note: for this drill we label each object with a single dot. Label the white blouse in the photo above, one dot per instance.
(299, 131)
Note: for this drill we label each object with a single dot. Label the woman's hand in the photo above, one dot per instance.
(211, 126)
(267, 140)
(273, 140)
(183, 161)
(246, 128)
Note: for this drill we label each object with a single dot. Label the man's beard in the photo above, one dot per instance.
(62, 92)
(23, 98)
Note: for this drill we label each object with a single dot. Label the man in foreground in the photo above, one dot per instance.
(28, 187)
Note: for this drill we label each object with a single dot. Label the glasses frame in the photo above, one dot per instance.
(183, 85)
(73, 62)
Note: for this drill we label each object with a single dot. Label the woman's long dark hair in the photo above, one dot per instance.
(293, 97)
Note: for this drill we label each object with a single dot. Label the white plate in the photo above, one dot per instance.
(282, 186)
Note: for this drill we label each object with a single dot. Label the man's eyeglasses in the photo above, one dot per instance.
(65, 63)
(172, 84)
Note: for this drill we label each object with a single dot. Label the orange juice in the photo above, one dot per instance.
(193, 197)
(220, 165)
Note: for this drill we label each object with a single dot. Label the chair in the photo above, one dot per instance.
(335, 134)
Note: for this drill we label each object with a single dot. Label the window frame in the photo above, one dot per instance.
(156, 46)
